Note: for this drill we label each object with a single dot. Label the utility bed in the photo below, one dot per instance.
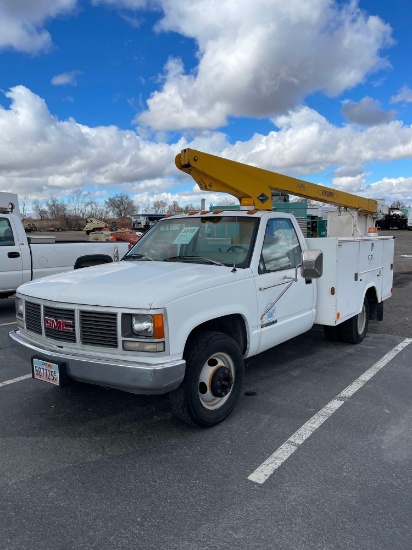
(367, 261)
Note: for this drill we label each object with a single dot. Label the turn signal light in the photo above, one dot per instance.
(158, 326)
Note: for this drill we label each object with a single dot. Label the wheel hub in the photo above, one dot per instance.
(221, 382)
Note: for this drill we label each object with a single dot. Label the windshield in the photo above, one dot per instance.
(214, 240)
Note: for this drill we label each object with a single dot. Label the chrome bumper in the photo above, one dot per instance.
(142, 378)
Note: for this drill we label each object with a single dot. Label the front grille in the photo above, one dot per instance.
(33, 317)
(98, 329)
(59, 324)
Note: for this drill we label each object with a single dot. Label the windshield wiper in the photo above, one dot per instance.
(138, 257)
(184, 258)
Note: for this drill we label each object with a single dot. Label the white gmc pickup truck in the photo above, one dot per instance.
(192, 299)
(25, 258)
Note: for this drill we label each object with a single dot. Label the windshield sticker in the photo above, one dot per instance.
(186, 235)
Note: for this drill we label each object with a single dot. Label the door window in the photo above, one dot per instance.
(281, 248)
(6, 234)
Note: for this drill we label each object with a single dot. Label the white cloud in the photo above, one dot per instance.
(64, 79)
(40, 154)
(366, 112)
(393, 189)
(261, 58)
(21, 23)
(389, 189)
(146, 199)
(132, 21)
(404, 95)
(256, 58)
(307, 143)
(127, 4)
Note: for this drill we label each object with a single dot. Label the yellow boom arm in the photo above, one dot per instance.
(213, 173)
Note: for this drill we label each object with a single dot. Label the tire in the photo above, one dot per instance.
(209, 356)
(332, 333)
(354, 329)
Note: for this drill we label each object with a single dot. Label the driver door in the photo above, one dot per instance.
(286, 307)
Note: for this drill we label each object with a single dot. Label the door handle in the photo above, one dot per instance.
(13, 254)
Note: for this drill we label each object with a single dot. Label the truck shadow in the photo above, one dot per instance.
(7, 307)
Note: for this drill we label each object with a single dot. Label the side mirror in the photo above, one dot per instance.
(312, 264)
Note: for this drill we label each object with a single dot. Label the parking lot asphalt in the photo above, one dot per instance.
(90, 468)
(86, 467)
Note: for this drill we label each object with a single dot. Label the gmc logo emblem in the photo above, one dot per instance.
(57, 324)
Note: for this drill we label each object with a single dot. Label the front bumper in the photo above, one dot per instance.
(142, 378)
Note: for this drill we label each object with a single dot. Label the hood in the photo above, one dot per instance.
(131, 284)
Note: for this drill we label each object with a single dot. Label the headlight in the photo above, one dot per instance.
(142, 325)
(148, 326)
(19, 308)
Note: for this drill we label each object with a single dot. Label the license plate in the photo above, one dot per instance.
(46, 371)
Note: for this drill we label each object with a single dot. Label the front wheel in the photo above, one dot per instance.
(213, 380)
(354, 330)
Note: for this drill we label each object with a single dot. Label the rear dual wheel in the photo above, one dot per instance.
(352, 331)
(213, 380)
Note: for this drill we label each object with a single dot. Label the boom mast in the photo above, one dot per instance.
(213, 173)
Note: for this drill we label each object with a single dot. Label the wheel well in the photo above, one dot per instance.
(232, 325)
(371, 295)
(92, 259)
(375, 307)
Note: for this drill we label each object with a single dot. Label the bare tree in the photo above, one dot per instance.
(40, 211)
(159, 207)
(95, 209)
(190, 207)
(121, 205)
(57, 210)
(175, 208)
(23, 207)
(76, 205)
(147, 208)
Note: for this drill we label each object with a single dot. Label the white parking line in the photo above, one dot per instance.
(266, 469)
(5, 324)
(19, 379)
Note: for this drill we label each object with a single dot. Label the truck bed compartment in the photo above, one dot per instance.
(350, 267)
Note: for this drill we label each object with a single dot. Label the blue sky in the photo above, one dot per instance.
(100, 95)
